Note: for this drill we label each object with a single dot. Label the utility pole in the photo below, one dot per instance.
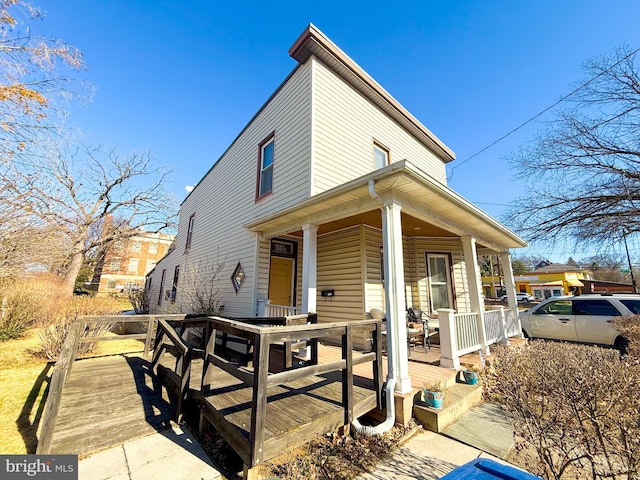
(633, 279)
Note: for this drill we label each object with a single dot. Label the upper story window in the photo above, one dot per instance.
(114, 265)
(380, 156)
(135, 247)
(133, 265)
(153, 248)
(265, 167)
(192, 219)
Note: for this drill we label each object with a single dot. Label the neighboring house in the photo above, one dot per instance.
(552, 280)
(333, 199)
(126, 263)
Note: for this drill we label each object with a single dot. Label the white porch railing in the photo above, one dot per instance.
(266, 309)
(459, 332)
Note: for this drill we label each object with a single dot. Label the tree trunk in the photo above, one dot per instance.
(72, 274)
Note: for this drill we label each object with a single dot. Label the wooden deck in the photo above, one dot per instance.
(107, 401)
(260, 411)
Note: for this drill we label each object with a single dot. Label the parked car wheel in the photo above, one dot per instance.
(622, 344)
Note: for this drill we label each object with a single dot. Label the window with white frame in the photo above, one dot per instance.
(153, 248)
(133, 265)
(265, 167)
(135, 247)
(114, 264)
(439, 276)
(380, 156)
(149, 266)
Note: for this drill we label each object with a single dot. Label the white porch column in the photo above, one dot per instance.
(510, 285)
(309, 267)
(394, 291)
(448, 342)
(509, 281)
(475, 286)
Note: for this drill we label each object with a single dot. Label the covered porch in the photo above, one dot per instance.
(389, 240)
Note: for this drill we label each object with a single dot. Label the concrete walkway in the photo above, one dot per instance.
(175, 454)
(427, 456)
(485, 427)
(172, 454)
(484, 432)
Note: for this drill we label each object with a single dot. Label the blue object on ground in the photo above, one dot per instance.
(485, 469)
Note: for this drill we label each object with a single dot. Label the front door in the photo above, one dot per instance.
(281, 281)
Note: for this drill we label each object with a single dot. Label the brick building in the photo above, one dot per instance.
(127, 262)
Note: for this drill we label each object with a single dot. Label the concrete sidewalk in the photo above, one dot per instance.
(175, 454)
(426, 456)
(172, 454)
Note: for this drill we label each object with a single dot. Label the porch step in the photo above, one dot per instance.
(458, 399)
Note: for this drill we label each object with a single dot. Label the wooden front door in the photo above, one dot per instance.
(281, 281)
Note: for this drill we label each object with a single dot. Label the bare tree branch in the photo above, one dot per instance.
(583, 172)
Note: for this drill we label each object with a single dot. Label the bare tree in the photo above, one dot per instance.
(73, 191)
(583, 172)
(25, 246)
(33, 79)
(199, 287)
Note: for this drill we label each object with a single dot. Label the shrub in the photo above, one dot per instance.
(630, 329)
(64, 312)
(23, 305)
(139, 299)
(575, 406)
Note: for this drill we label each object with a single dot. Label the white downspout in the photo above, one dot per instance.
(391, 375)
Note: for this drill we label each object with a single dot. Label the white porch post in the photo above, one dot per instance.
(448, 342)
(510, 286)
(394, 291)
(309, 267)
(475, 286)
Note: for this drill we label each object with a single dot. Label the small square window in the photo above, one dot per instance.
(380, 156)
(238, 278)
(135, 247)
(153, 248)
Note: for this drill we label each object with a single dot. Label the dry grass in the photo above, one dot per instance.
(22, 385)
(24, 379)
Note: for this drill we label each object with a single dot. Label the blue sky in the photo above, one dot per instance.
(182, 78)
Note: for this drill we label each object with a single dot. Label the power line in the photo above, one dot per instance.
(562, 99)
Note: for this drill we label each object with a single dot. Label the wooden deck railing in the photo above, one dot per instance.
(168, 339)
(63, 366)
(252, 449)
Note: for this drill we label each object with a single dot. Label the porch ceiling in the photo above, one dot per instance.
(429, 208)
(411, 226)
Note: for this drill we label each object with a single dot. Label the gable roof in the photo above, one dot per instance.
(313, 42)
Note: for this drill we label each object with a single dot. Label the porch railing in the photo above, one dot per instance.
(266, 309)
(460, 333)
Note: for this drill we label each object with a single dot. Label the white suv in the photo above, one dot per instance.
(583, 318)
(520, 297)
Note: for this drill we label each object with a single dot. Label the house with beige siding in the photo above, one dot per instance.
(333, 199)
